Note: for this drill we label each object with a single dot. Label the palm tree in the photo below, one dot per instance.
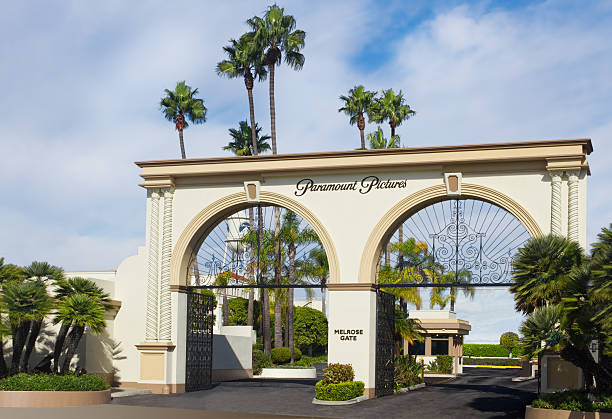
(10, 272)
(541, 271)
(463, 276)
(26, 302)
(601, 274)
(40, 272)
(5, 330)
(405, 329)
(392, 108)
(244, 60)
(179, 105)
(275, 35)
(80, 310)
(541, 326)
(292, 236)
(66, 288)
(358, 102)
(242, 140)
(378, 141)
(315, 266)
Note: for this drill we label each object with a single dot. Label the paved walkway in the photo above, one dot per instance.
(480, 393)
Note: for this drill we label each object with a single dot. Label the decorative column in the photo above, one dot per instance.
(165, 326)
(555, 203)
(151, 329)
(572, 205)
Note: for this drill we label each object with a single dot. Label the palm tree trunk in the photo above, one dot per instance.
(252, 115)
(251, 276)
(3, 367)
(361, 133)
(452, 299)
(34, 331)
(74, 338)
(182, 144)
(401, 240)
(265, 303)
(292, 251)
(272, 109)
(60, 341)
(286, 335)
(278, 320)
(20, 334)
(225, 309)
(323, 301)
(392, 129)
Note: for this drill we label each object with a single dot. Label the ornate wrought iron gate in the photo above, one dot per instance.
(199, 341)
(385, 325)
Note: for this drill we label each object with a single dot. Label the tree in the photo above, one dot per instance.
(40, 273)
(292, 236)
(541, 270)
(541, 326)
(601, 291)
(25, 302)
(378, 141)
(405, 329)
(242, 142)
(245, 60)
(179, 105)
(66, 288)
(463, 276)
(275, 35)
(315, 266)
(10, 272)
(509, 340)
(81, 311)
(358, 102)
(310, 329)
(223, 280)
(392, 108)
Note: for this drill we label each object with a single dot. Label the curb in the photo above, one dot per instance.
(492, 366)
(411, 388)
(340, 403)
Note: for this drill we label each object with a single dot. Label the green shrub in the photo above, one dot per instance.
(338, 373)
(492, 361)
(282, 355)
(443, 364)
(50, 382)
(339, 391)
(297, 354)
(407, 371)
(485, 350)
(574, 400)
(310, 328)
(260, 361)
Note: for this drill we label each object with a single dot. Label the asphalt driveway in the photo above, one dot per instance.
(480, 393)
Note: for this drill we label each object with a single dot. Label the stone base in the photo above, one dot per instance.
(155, 388)
(53, 398)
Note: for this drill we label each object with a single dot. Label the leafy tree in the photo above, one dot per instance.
(238, 311)
(223, 279)
(241, 144)
(541, 271)
(357, 104)
(310, 328)
(509, 340)
(392, 108)
(81, 311)
(378, 141)
(245, 60)
(179, 105)
(275, 35)
(66, 288)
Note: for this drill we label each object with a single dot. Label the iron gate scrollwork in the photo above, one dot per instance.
(199, 348)
(385, 325)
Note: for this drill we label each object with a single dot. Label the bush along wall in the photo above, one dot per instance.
(51, 382)
(512, 362)
(485, 350)
(443, 364)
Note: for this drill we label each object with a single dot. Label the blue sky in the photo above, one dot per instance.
(82, 82)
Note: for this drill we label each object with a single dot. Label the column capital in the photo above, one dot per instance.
(573, 175)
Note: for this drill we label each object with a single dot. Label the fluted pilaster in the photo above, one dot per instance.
(152, 271)
(165, 329)
(573, 221)
(555, 203)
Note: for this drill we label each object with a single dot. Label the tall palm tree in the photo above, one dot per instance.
(292, 236)
(463, 276)
(242, 140)
(25, 302)
(275, 35)
(246, 61)
(66, 288)
(179, 105)
(405, 329)
(358, 102)
(378, 141)
(80, 310)
(40, 273)
(541, 271)
(315, 266)
(392, 108)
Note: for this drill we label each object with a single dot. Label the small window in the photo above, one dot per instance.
(439, 347)
(418, 348)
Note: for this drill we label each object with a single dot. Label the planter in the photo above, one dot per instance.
(535, 413)
(340, 403)
(411, 388)
(53, 398)
(310, 373)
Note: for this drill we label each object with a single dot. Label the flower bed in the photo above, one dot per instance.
(573, 400)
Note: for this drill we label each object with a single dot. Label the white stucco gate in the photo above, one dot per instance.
(353, 200)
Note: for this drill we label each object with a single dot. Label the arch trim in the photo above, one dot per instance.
(213, 213)
(372, 249)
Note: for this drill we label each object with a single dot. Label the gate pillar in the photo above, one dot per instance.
(352, 330)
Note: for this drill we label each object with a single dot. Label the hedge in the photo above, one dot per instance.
(282, 355)
(574, 400)
(50, 382)
(493, 361)
(260, 361)
(339, 392)
(443, 364)
(338, 373)
(485, 350)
